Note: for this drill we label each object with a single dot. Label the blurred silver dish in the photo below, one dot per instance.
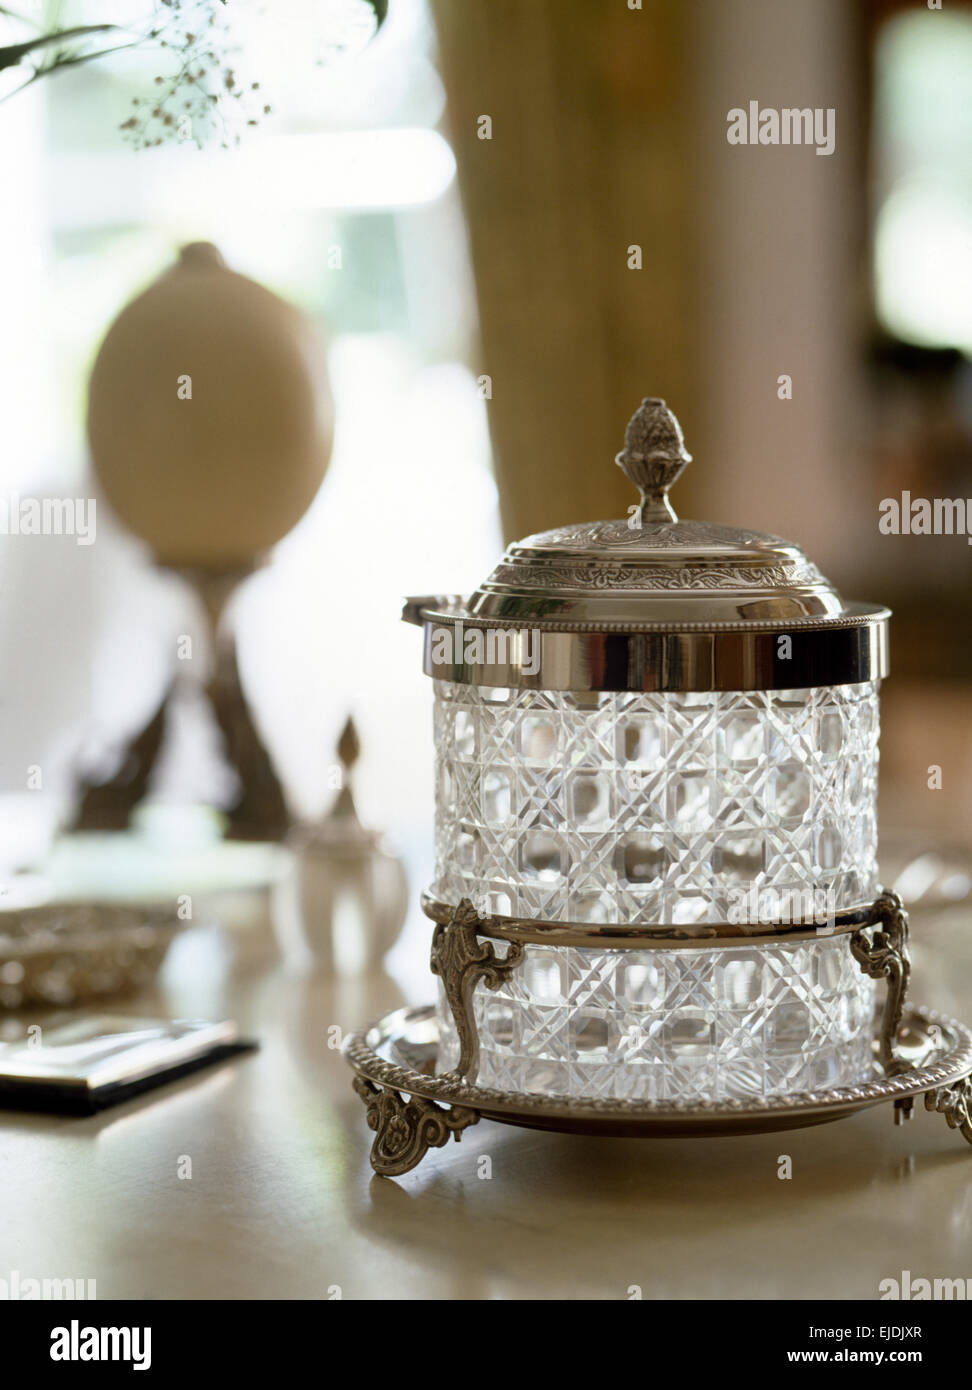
(68, 952)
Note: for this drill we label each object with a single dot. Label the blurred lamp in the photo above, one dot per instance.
(211, 421)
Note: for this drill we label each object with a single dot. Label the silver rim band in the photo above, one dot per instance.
(732, 657)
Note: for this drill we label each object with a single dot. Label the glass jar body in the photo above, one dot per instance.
(663, 808)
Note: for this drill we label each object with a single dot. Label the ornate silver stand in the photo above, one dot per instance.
(916, 1052)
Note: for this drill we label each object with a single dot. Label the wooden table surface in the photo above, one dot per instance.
(282, 1202)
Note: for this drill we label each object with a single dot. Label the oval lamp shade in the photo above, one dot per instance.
(210, 415)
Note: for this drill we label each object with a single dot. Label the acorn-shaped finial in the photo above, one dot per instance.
(653, 456)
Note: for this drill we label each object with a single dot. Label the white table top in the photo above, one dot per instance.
(282, 1202)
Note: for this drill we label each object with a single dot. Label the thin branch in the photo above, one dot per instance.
(66, 62)
(13, 53)
(72, 60)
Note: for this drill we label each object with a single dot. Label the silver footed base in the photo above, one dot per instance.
(411, 1109)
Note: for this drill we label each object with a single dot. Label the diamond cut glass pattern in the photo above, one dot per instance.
(661, 807)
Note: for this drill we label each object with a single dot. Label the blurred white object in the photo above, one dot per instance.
(933, 878)
(342, 904)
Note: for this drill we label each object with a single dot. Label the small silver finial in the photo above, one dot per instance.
(348, 751)
(653, 456)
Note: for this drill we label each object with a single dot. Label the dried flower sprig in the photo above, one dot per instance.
(199, 94)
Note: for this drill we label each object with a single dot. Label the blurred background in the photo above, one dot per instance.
(489, 331)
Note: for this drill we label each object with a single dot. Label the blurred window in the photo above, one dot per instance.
(923, 173)
(343, 198)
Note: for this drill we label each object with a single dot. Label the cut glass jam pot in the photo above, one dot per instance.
(658, 730)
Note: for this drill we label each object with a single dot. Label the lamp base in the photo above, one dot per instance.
(412, 1110)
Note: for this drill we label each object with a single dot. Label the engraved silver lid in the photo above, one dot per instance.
(701, 602)
(652, 567)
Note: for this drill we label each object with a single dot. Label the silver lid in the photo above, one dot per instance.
(653, 576)
(653, 568)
